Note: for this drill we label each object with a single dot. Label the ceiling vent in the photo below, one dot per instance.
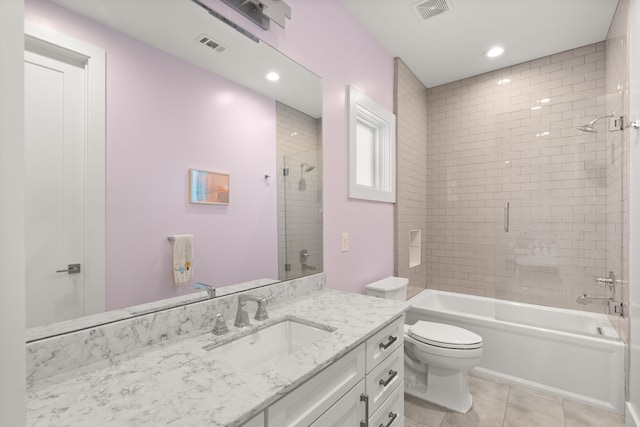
(430, 8)
(210, 43)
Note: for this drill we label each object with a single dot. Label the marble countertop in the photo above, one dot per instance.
(180, 383)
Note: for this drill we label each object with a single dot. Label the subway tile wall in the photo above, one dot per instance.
(411, 211)
(299, 193)
(510, 136)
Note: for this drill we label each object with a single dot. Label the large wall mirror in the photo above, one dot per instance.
(184, 90)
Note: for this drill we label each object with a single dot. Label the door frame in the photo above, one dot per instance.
(37, 39)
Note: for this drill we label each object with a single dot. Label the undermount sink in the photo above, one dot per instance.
(265, 345)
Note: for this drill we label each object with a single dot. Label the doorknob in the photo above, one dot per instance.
(73, 269)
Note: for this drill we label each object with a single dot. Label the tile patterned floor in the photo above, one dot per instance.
(503, 405)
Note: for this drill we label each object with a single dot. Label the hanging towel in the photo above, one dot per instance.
(182, 258)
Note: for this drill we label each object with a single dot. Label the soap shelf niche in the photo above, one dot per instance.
(415, 248)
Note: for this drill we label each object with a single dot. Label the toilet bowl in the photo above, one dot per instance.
(437, 356)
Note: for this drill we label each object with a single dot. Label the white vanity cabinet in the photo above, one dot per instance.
(305, 404)
(385, 376)
(366, 382)
(257, 421)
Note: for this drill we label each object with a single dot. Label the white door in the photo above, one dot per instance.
(55, 187)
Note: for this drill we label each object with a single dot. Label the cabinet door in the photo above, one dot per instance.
(391, 412)
(346, 412)
(384, 378)
(307, 402)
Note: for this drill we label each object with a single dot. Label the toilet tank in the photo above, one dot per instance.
(394, 288)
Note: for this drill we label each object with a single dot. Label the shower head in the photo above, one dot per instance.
(590, 126)
(306, 167)
(587, 128)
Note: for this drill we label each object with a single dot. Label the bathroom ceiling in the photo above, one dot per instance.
(177, 27)
(450, 46)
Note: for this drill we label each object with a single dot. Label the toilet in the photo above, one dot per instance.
(437, 356)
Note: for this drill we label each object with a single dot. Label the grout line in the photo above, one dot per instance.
(504, 415)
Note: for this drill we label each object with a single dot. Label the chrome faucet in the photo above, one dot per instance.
(584, 299)
(242, 317)
(610, 281)
(211, 291)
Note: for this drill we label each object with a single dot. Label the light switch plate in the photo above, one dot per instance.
(345, 242)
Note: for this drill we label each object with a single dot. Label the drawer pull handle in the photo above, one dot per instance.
(392, 339)
(392, 375)
(365, 398)
(393, 418)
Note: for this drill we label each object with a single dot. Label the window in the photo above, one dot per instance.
(372, 149)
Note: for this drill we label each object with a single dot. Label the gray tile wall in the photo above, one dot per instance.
(411, 136)
(509, 136)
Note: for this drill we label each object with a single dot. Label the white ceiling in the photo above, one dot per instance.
(451, 46)
(176, 26)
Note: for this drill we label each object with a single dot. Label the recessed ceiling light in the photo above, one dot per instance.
(494, 51)
(273, 76)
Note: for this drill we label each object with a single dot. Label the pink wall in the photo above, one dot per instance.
(165, 116)
(323, 36)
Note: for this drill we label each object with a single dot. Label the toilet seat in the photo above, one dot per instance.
(444, 336)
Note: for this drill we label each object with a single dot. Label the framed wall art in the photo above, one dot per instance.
(210, 188)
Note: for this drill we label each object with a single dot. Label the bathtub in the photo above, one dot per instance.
(569, 353)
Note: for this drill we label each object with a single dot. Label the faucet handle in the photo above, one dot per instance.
(220, 327)
(261, 312)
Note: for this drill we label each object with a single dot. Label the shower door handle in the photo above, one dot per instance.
(506, 217)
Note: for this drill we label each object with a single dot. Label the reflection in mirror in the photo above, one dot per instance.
(171, 106)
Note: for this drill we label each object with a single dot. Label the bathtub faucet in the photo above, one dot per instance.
(615, 307)
(584, 300)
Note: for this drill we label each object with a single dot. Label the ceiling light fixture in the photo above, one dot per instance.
(273, 76)
(494, 51)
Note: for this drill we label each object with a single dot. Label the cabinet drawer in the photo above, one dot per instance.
(391, 412)
(346, 412)
(384, 379)
(307, 402)
(384, 343)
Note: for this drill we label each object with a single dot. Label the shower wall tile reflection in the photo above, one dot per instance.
(510, 136)
(300, 192)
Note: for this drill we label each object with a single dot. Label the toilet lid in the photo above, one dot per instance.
(442, 335)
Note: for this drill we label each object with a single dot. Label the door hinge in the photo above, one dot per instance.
(616, 308)
(285, 171)
(287, 267)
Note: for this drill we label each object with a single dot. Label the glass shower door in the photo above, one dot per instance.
(551, 199)
(300, 217)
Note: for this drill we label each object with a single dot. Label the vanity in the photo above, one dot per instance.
(337, 360)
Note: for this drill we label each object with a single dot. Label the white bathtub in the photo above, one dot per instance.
(573, 354)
